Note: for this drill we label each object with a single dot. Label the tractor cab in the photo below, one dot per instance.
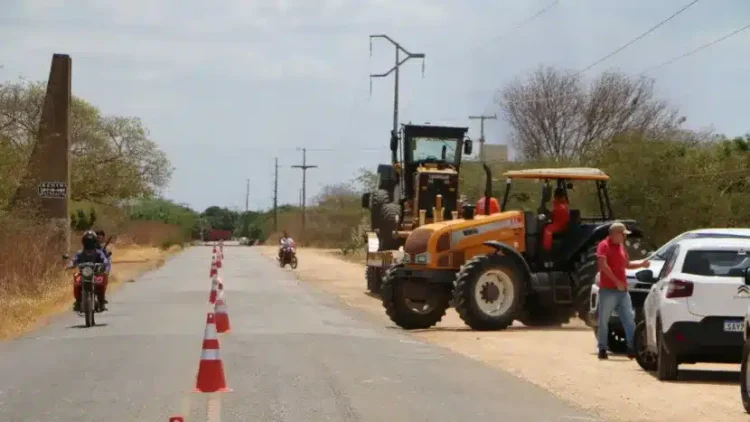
(566, 241)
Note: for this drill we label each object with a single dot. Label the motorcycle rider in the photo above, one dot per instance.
(90, 254)
(101, 241)
(286, 242)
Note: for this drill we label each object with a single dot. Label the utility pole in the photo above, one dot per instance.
(304, 168)
(276, 195)
(247, 197)
(482, 118)
(395, 68)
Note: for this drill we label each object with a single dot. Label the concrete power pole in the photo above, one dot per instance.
(304, 168)
(482, 118)
(276, 195)
(247, 197)
(395, 68)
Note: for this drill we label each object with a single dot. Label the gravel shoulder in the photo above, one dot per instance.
(561, 360)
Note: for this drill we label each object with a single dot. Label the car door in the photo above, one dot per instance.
(653, 300)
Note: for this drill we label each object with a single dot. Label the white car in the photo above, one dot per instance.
(695, 310)
(639, 290)
(744, 370)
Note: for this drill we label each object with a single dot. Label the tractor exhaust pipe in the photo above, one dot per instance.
(487, 188)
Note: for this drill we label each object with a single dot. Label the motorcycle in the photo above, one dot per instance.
(288, 256)
(89, 275)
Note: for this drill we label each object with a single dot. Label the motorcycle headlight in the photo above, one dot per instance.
(87, 271)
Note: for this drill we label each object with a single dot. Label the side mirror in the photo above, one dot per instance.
(366, 200)
(65, 257)
(646, 276)
(468, 146)
(394, 142)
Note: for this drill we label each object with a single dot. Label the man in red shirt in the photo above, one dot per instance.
(613, 260)
(560, 218)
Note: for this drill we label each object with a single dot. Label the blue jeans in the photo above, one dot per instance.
(610, 300)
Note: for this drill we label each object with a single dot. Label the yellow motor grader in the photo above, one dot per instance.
(419, 187)
(493, 269)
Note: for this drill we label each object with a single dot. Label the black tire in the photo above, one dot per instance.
(645, 359)
(744, 381)
(537, 314)
(389, 222)
(293, 263)
(88, 308)
(377, 199)
(465, 297)
(397, 305)
(666, 362)
(374, 277)
(616, 342)
(585, 271)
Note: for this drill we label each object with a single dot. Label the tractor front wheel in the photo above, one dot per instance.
(489, 292)
(585, 273)
(413, 304)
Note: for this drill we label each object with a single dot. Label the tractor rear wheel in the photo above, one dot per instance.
(377, 200)
(389, 222)
(585, 272)
(413, 304)
(489, 293)
(374, 276)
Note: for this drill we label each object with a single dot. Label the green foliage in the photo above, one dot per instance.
(81, 221)
(165, 211)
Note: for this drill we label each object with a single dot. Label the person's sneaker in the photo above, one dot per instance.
(603, 355)
(631, 354)
(77, 307)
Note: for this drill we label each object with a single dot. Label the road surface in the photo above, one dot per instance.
(295, 354)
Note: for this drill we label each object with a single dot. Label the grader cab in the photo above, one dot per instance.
(493, 268)
(419, 187)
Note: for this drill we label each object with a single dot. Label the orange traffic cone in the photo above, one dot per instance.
(210, 377)
(176, 419)
(218, 260)
(214, 289)
(222, 316)
(214, 271)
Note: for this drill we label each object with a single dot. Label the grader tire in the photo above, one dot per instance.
(377, 200)
(389, 222)
(397, 308)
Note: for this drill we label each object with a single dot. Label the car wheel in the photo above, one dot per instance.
(666, 362)
(645, 358)
(745, 377)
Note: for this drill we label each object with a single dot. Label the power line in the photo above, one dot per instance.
(524, 22)
(701, 48)
(638, 38)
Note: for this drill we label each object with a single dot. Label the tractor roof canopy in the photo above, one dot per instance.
(567, 173)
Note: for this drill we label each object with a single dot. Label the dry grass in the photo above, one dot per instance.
(33, 284)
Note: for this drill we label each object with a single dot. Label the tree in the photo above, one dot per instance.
(113, 157)
(553, 114)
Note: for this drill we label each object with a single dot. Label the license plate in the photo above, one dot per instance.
(733, 326)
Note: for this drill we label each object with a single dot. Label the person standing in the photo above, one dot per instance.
(613, 261)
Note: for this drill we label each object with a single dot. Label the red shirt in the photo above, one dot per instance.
(617, 259)
(560, 213)
(494, 206)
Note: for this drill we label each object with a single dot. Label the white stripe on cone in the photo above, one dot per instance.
(210, 354)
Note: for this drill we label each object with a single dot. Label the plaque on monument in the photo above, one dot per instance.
(53, 190)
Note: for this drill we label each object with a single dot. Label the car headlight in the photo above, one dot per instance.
(87, 271)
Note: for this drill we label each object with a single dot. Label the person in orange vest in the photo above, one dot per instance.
(560, 217)
(494, 206)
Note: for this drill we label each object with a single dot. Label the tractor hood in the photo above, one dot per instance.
(455, 230)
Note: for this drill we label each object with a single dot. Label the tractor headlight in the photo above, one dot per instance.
(87, 271)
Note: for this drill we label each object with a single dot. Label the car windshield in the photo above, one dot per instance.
(720, 263)
(432, 148)
(660, 253)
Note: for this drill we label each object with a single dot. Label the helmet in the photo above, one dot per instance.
(89, 240)
(284, 233)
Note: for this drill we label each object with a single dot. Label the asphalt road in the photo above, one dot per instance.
(294, 354)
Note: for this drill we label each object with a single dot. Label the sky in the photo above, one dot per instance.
(227, 86)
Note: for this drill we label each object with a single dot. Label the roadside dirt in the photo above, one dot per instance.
(561, 360)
